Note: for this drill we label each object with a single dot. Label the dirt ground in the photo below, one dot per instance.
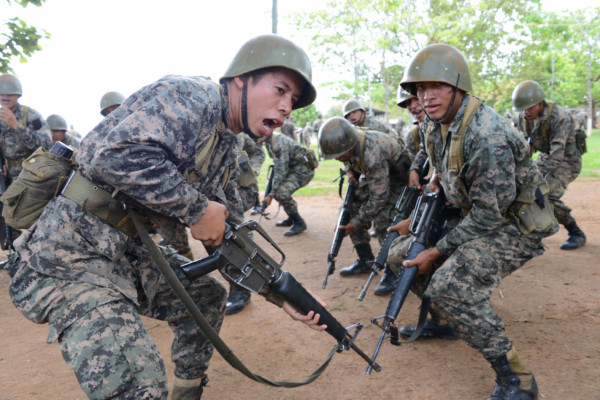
(551, 308)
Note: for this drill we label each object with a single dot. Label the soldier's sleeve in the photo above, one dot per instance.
(137, 155)
(378, 179)
(257, 157)
(281, 162)
(36, 133)
(491, 177)
(561, 125)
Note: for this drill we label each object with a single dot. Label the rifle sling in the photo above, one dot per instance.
(208, 331)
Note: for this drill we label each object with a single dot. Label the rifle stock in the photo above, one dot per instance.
(248, 265)
(343, 219)
(426, 230)
(404, 207)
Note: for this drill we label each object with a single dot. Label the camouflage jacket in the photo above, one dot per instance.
(496, 164)
(383, 163)
(560, 140)
(421, 155)
(254, 150)
(288, 155)
(143, 149)
(288, 129)
(18, 145)
(70, 140)
(374, 124)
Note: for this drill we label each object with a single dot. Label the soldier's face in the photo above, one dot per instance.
(416, 109)
(356, 117)
(271, 98)
(533, 112)
(57, 135)
(435, 97)
(9, 101)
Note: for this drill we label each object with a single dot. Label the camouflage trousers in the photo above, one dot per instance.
(177, 238)
(294, 180)
(460, 289)
(102, 337)
(558, 180)
(249, 195)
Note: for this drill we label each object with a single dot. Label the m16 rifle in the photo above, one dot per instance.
(245, 263)
(427, 230)
(404, 207)
(343, 219)
(263, 206)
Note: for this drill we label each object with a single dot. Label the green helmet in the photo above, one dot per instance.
(274, 51)
(438, 63)
(56, 123)
(403, 97)
(353, 105)
(10, 84)
(527, 94)
(111, 99)
(336, 137)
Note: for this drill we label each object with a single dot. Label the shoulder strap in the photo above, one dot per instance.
(358, 159)
(416, 138)
(545, 128)
(457, 143)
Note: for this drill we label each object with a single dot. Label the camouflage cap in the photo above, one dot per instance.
(353, 105)
(10, 84)
(274, 51)
(56, 122)
(336, 137)
(526, 95)
(438, 63)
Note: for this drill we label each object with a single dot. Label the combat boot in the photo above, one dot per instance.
(285, 222)
(576, 237)
(431, 330)
(363, 264)
(387, 284)
(515, 381)
(298, 225)
(237, 300)
(188, 389)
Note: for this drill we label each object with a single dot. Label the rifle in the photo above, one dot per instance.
(343, 219)
(263, 206)
(404, 206)
(243, 262)
(426, 230)
(5, 229)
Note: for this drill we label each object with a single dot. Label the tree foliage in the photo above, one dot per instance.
(18, 40)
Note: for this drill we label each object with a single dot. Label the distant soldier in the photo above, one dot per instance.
(550, 130)
(58, 128)
(356, 113)
(22, 131)
(294, 168)
(110, 101)
(317, 124)
(289, 128)
(382, 163)
(74, 133)
(306, 134)
(415, 137)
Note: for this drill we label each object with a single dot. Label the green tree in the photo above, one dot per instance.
(18, 39)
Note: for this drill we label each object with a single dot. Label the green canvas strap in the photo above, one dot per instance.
(208, 331)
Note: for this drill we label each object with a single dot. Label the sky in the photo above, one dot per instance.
(122, 45)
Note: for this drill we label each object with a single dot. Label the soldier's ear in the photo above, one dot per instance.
(238, 81)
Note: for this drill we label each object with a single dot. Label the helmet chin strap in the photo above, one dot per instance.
(450, 107)
(245, 110)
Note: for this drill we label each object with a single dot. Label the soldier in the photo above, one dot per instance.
(289, 128)
(251, 156)
(382, 163)
(550, 130)
(482, 171)
(22, 131)
(356, 113)
(293, 168)
(82, 269)
(58, 129)
(110, 101)
(306, 134)
(74, 133)
(317, 124)
(411, 103)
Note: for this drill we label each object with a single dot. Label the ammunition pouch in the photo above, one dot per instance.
(532, 211)
(580, 140)
(311, 159)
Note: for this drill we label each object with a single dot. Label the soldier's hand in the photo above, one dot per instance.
(434, 182)
(401, 227)
(311, 319)
(413, 179)
(348, 228)
(424, 260)
(8, 117)
(211, 227)
(267, 200)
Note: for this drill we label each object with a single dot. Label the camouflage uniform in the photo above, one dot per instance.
(289, 129)
(256, 155)
(383, 164)
(17, 145)
(91, 281)
(71, 141)
(559, 160)
(373, 124)
(290, 171)
(306, 134)
(414, 138)
(484, 247)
